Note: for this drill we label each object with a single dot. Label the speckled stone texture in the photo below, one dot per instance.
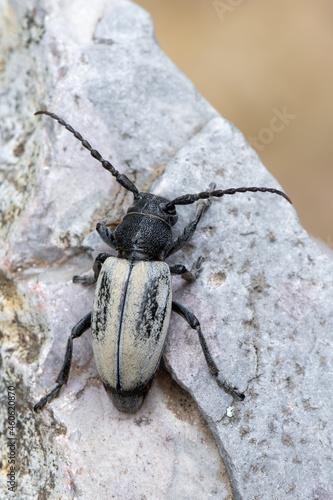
(264, 296)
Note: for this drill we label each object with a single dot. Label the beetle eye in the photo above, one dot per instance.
(169, 209)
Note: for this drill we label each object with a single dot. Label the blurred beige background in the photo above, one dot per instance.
(256, 59)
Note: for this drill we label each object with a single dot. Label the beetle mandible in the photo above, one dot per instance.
(132, 306)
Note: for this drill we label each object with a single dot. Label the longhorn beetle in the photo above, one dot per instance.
(132, 306)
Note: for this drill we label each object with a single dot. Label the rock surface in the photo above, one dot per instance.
(264, 297)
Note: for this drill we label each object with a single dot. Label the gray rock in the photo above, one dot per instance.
(263, 298)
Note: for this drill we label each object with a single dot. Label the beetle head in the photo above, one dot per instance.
(156, 206)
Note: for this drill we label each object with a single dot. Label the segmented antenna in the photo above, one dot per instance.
(187, 199)
(121, 178)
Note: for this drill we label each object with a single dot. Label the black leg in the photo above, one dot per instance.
(194, 323)
(106, 235)
(90, 280)
(189, 229)
(186, 274)
(77, 331)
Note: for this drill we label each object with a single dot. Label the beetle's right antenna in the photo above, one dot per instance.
(187, 199)
(121, 178)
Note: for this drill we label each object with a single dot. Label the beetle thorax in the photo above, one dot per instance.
(145, 231)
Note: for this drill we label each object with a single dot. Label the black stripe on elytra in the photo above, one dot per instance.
(102, 307)
(152, 315)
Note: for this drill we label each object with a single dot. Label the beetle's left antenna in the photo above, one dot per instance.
(121, 178)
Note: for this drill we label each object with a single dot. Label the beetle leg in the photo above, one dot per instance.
(84, 280)
(188, 275)
(90, 280)
(106, 235)
(77, 331)
(190, 228)
(194, 323)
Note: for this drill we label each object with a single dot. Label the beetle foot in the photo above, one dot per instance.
(84, 280)
(211, 187)
(195, 270)
(205, 204)
(230, 389)
(47, 399)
